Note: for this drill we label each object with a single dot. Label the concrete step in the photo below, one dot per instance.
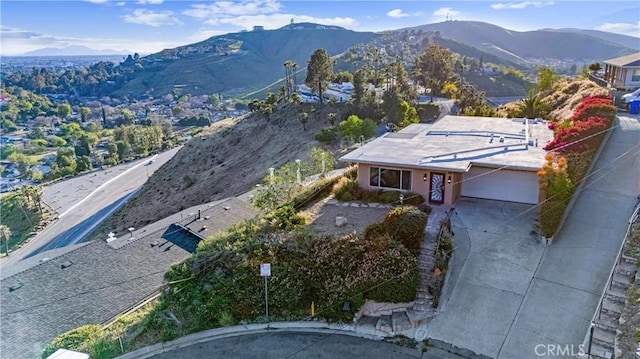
(420, 317)
(400, 321)
(629, 260)
(367, 321)
(607, 322)
(423, 294)
(600, 352)
(621, 280)
(422, 307)
(384, 324)
(626, 268)
(612, 308)
(616, 293)
(604, 338)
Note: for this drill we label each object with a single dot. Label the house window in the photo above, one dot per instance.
(389, 178)
(635, 75)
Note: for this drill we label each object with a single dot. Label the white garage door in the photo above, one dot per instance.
(503, 185)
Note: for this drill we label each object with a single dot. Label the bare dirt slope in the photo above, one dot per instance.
(227, 159)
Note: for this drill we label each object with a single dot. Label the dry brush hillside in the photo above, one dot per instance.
(562, 100)
(225, 160)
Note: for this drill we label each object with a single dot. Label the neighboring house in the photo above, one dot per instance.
(481, 157)
(623, 72)
(60, 289)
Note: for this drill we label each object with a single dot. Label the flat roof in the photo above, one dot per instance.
(455, 143)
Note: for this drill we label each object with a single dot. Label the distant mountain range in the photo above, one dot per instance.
(251, 62)
(523, 47)
(75, 50)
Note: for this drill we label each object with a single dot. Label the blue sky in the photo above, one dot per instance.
(147, 26)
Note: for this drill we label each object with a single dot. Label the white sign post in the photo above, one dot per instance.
(265, 271)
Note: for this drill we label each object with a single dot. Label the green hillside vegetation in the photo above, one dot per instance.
(23, 215)
(219, 285)
(248, 61)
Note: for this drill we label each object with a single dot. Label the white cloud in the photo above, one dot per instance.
(397, 13)
(14, 41)
(621, 28)
(231, 8)
(121, 3)
(151, 18)
(149, 2)
(520, 5)
(97, 1)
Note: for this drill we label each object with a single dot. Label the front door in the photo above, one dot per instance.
(436, 192)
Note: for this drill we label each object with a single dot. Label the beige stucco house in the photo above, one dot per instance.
(481, 157)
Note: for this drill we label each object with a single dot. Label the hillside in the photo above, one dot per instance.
(236, 63)
(622, 40)
(227, 159)
(524, 46)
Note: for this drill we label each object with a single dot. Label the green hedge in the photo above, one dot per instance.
(347, 189)
(406, 225)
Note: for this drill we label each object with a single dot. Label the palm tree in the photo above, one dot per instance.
(531, 107)
(5, 232)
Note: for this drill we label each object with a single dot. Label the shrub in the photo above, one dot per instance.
(343, 187)
(406, 225)
(226, 319)
(87, 338)
(375, 230)
(285, 217)
(327, 134)
(423, 207)
(555, 181)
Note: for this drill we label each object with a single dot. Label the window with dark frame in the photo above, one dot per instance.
(390, 178)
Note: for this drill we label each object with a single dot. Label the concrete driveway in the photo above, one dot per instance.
(497, 253)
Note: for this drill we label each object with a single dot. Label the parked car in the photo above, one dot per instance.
(635, 95)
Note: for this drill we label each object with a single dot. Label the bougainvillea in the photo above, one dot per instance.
(582, 136)
(594, 106)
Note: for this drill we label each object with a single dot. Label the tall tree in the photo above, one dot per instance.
(290, 71)
(433, 68)
(64, 110)
(319, 71)
(546, 79)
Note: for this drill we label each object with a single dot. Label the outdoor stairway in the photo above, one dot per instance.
(605, 331)
(422, 310)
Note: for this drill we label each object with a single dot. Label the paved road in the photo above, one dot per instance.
(299, 345)
(83, 202)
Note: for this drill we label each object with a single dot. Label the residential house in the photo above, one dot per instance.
(623, 72)
(481, 157)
